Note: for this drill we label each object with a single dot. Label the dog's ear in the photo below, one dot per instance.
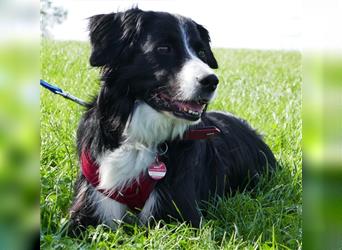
(206, 38)
(101, 31)
(113, 35)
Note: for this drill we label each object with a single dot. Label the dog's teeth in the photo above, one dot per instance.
(192, 112)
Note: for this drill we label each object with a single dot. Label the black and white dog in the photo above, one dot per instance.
(146, 143)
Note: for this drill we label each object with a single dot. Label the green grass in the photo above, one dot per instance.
(263, 87)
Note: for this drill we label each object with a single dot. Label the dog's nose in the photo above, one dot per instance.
(209, 82)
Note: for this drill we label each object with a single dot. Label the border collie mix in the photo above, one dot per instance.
(146, 143)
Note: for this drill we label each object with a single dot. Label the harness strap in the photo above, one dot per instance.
(134, 195)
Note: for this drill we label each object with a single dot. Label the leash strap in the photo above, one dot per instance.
(59, 91)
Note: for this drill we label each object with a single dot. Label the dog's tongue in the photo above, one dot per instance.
(194, 106)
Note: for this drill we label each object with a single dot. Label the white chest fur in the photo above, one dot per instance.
(146, 129)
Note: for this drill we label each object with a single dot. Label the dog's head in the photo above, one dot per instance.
(162, 59)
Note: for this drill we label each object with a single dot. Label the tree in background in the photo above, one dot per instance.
(49, 16)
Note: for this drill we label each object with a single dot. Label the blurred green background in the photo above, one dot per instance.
(19, 124)
(19, 144)
(322, 138)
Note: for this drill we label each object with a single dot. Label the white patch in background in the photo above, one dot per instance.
(265, 24)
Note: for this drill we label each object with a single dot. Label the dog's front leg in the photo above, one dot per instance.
(179, 205)
(149, 209)
(186, 207)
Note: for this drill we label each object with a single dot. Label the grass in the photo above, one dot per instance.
(263, 87)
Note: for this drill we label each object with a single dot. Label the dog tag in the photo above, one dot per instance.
(157, 170)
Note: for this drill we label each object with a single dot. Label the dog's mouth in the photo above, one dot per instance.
(186, 109)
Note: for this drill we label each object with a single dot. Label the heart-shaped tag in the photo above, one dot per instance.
(157, 170)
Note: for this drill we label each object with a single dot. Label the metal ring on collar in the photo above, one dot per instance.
(162, 148)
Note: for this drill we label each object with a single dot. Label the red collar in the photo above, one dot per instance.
(136, 194)
(201, 133)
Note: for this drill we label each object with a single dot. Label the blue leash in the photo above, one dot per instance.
(59, 91)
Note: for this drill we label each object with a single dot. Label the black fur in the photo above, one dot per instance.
(123, 46)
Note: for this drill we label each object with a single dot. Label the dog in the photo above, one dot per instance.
(147, 144)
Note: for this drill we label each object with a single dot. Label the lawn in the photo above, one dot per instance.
(263, 87)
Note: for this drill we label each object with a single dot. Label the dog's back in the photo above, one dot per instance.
(199, 170)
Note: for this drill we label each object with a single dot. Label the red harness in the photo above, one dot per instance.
(136, 194)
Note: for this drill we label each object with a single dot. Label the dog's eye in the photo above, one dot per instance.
(202, 55)
(164, 49)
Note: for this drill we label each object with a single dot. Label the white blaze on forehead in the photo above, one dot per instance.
(185, 39)
(192, 71)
